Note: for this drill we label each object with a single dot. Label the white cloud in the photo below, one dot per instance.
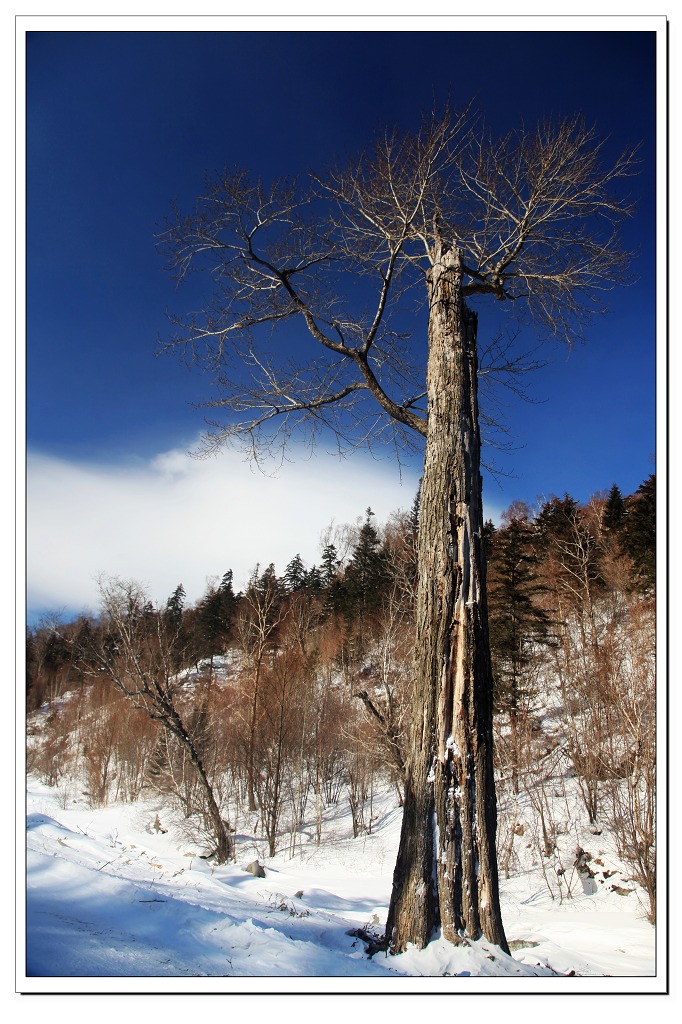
(180, 520)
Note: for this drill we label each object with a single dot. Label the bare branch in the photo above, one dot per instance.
(543, 214)
(535, 214)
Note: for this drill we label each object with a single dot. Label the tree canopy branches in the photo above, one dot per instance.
(535, 214)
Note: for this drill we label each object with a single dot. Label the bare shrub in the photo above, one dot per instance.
(53, 755)
(632, 812)
(135, 737)
(99, 761)
(137, 650)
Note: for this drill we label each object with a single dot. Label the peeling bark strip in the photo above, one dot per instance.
(446, 871)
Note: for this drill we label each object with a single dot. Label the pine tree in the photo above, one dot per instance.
(269, 581)
(295, 574)
(214, 616)
(329, 576)
(488, 538)
(517, 624)
(82, 645)
(365, 577)
(31, 669)
(313, 580)
(174, 607)
(330, 564)
(570, 555)
(516, 618)
(639, 534)
(556, 520)
(614, 511)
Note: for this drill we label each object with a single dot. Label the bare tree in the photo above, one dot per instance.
(391, 640)
(136, 650)
(529, 220)
(631, 652)
(261, 614)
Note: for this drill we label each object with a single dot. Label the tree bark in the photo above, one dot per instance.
(446, 870)
(251, 753)
(224, 850)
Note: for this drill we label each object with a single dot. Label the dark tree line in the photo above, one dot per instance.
(518, 554)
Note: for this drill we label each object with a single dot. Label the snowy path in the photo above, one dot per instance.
(107, 896)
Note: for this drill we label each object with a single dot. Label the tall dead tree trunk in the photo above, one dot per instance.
(446, 871)
(540, 211)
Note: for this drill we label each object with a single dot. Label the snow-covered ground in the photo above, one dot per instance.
(114, 903)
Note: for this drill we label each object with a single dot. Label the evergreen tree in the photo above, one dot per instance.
(57, 655)
(174, 607)
(330, 564)
(332, 584)
(556, 520)
(295, 574)
(32, 700)
(517, 620)
(366, 575)
(226, 592)
(82, 646)
(313, 580)
(488, 538)
(614, 511)
(269, 581)
(639, 534)
(410, 565)
(569, 552)
(214, 615)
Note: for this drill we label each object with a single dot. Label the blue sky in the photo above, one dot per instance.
(119, 123)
